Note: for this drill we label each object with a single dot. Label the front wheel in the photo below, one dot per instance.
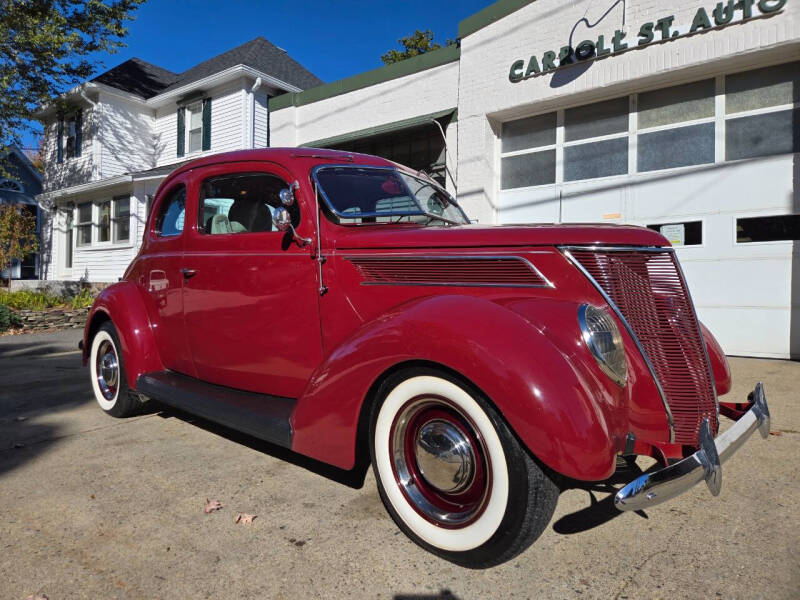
(452, 475)
(108, 375)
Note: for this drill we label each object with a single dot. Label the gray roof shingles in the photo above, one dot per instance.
(137, 77)
(147, 80)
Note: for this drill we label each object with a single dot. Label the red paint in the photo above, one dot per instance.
(251, 317)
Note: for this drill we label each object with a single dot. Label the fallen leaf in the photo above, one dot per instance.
(776, 432)
(212, 505)
(245, 519)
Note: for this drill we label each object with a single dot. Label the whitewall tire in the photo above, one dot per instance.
(450, 472)
(107, 372)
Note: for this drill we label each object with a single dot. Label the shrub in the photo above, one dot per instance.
(8, 318)
(83, 299)
(30, 300)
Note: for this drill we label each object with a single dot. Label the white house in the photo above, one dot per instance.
(128, 128)
(684, 118)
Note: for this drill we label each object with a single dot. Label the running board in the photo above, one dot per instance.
(265, 417)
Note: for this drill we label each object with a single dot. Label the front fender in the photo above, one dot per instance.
(123, 305)
(719, 363)
(567, 416)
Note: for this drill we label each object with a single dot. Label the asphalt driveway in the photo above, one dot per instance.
(93, 507)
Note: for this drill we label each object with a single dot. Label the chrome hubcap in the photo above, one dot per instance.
(107, 369)
(445, 456)
(440, 462)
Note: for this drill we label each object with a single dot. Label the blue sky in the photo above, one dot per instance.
(333, 39)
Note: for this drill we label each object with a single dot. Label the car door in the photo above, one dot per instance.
(251, 295)
(162, 280)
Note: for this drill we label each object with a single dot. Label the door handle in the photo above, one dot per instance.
(188, 273)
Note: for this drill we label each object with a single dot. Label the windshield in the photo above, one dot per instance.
(385, 195)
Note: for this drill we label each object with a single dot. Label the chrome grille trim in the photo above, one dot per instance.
(703, 386)
(628, 328)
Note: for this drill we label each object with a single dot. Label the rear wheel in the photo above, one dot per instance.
(452, 475)
(108, 375)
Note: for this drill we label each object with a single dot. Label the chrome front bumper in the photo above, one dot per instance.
(706, 464)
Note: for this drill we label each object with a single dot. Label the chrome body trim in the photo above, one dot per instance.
(486, 257)
(597, 247)
(659, 486)
(420, 213)
(629, 329)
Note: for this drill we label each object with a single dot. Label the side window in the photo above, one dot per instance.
(241, 203)
(171, 213)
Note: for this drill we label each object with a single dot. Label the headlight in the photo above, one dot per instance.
(601, 334)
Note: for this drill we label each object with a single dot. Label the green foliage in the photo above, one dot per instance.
(415, 44)
(46, 48)
(42, 299)
(18, 236)
(8, 319)
(83, 299)
(30, 300)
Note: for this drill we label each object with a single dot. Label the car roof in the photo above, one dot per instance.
(310, 156)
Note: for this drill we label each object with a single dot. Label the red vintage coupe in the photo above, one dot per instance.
(344, 307)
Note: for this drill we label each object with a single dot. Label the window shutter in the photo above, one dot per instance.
(78, 132)
(181, 131)
(60, 141)
(207, 124)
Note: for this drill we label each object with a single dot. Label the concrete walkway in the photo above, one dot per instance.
(93, 507)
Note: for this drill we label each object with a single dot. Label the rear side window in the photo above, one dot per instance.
(172, 213)
(241, 203)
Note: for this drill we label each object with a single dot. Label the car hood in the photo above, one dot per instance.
(472, 236)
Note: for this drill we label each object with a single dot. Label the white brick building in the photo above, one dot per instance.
(685, 119)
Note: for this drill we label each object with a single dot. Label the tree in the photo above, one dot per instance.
(46, 47)
(18, 236)
(415, 44)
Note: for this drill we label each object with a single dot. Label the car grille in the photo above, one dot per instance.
(493, 271)
(650, 292)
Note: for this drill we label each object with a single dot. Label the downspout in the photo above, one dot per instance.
(253, 91)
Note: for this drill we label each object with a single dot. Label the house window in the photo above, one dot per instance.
(122, 218)
(668, 128)
(761, 114)
(779, 228)
(194, 129)
(529, 152)
(10, 185)
(84, 224)
(69, 136)
(104, 221)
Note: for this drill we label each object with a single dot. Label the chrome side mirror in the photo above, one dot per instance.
(287, 194)
(282, 221)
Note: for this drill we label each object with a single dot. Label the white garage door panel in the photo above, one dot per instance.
(748, 332)
(751, 283)
(587, 203)
(529, 205)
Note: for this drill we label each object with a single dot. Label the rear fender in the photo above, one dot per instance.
(567, 416)
(122, 304)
